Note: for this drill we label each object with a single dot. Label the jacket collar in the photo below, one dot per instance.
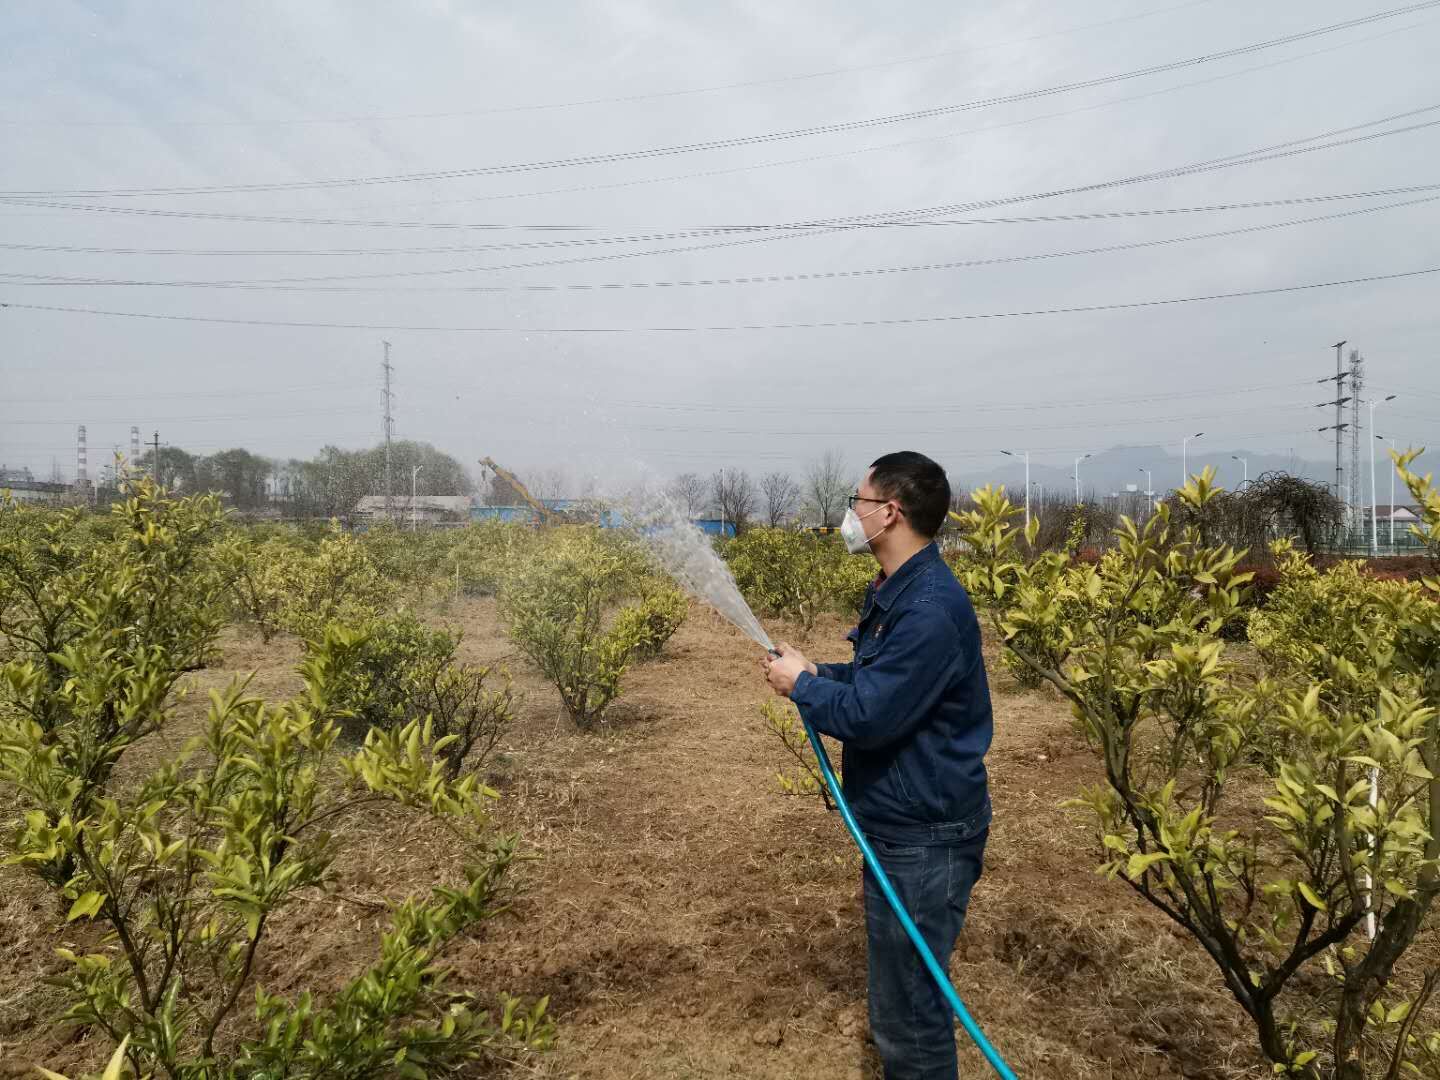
(887, 589)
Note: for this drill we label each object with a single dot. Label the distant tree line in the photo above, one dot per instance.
(329, 485)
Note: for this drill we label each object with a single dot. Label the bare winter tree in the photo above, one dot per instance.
(734, 493)
(547, 484)
(826, 485)
(688, 491)
(782, 495)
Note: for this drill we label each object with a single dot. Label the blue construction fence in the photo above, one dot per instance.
(608, 519)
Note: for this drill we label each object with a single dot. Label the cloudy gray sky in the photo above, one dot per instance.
(468, 136)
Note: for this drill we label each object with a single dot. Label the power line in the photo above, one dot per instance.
(611, 100)
(712, 173)
(730, 328)
(458, 249)
(754, 279)
(898, 143)
(871, 220)
(736, 141)
(1289, 148)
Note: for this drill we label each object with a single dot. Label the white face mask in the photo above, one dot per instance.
(853, 533)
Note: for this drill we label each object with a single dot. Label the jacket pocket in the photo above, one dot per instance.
(902, 789)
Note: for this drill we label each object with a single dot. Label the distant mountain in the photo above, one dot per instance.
(1114, 470)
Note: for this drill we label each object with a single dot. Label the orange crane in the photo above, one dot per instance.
(543, 514)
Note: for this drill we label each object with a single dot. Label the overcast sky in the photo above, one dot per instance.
(105, 98)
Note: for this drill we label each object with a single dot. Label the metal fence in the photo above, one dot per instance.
(1357, 541)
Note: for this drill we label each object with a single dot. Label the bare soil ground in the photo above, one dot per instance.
(690, 921)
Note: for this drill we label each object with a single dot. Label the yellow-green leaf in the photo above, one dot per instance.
(1138, 863)
(85, 906)
(1309, 895)
(117, 1061)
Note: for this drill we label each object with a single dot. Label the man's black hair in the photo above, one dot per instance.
(918, 484)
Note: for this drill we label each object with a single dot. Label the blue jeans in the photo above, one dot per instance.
(910, 1020)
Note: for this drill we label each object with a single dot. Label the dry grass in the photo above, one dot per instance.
(690, 921)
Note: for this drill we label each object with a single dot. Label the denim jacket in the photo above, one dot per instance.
(912, 709)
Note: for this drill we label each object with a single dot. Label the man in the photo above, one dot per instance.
(912, 710)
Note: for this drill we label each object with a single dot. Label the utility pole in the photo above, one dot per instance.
(155, 460)
(1339, 418)
(386, 369)
(1339, 427)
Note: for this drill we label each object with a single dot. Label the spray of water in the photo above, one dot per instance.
(687, 555)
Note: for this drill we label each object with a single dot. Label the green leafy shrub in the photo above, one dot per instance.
(798, 575)
(1344, 608)
(564, 608)
(101, 632)
(258, 576)
(481, 554)
(1272, 886)
(187, 867)
(339, 583)
(416, 563)
(802, 776)
(403, 671)
(653, 621)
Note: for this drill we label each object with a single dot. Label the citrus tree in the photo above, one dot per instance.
(101, 626)
(187, 871)
(340, 582)
(258, 576)
(572, 608)
(1267, 873)
(797, 575)
(69, 586)
(404, 671)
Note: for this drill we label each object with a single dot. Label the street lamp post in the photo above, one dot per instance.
(1243, 461)
(1185, 457)
(1079, 459)
(414, 472)
(1008, 453)
(1149, 491)
(1374, 511)
(1391, 444)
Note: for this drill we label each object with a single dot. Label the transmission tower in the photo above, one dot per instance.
(1339, 427)
(389, 417)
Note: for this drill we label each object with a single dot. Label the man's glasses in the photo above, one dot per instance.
(851, 500)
